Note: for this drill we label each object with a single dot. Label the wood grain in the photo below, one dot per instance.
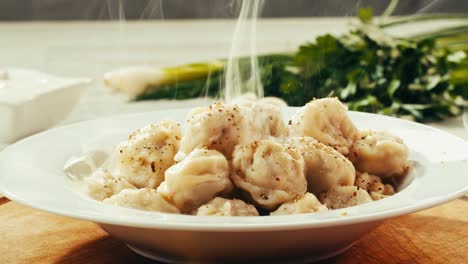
(437, 235)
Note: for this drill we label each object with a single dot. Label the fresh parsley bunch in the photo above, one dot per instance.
(422, 77)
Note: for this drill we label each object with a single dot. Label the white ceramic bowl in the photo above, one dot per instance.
(32, 101)
(31, 173)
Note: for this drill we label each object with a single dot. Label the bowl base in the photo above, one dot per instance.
(174, 260)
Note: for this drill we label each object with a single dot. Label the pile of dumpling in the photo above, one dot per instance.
(242, 159)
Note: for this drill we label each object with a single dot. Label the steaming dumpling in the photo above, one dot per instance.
(373, 184)
(201, 176)
(149, 151)
(271, 173)
(260, 120)
(251, 99)
(101, 185)
(306, 204)
(324, 166)
(226, 207)
(222, 127)
(380, 153)
(273, 101)
(143, 199)
(344, 196)
(325, 120)
(216, 127)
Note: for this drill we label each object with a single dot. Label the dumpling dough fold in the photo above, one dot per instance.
(380, 153)
(271, 173)
(305, 204)
(147, 153)
(344, 196)
(325, 120)
(374, 185)
(101, 184)
(325, 167)
(143, 199)
(227, 207)
(200, 177)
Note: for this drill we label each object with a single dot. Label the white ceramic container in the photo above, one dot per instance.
(32, 101)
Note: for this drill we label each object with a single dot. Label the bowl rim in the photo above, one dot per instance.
(98, 212)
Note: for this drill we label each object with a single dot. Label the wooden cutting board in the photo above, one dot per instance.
(437, 235)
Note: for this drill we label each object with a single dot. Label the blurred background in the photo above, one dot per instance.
(88, 38)
(189, 9)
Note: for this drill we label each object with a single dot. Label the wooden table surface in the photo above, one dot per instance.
(437, 235)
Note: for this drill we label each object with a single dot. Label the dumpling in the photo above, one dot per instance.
(373, 184)
(201, 176)
(344, 196)
(221, 126)
(305, 204)
(261, 120)
(143, 199)
(273, 101)
(101, 185)
(326, 121)
(226, 207)
(248, 99)
(270, 173)
(149, 151)
(380, 153)
(324, 166)
(216, 127)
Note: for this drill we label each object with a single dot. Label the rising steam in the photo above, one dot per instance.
(244, 80)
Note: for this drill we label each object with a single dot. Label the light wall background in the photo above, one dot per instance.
(190, 9)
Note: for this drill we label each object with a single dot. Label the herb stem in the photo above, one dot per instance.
(421, 17)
